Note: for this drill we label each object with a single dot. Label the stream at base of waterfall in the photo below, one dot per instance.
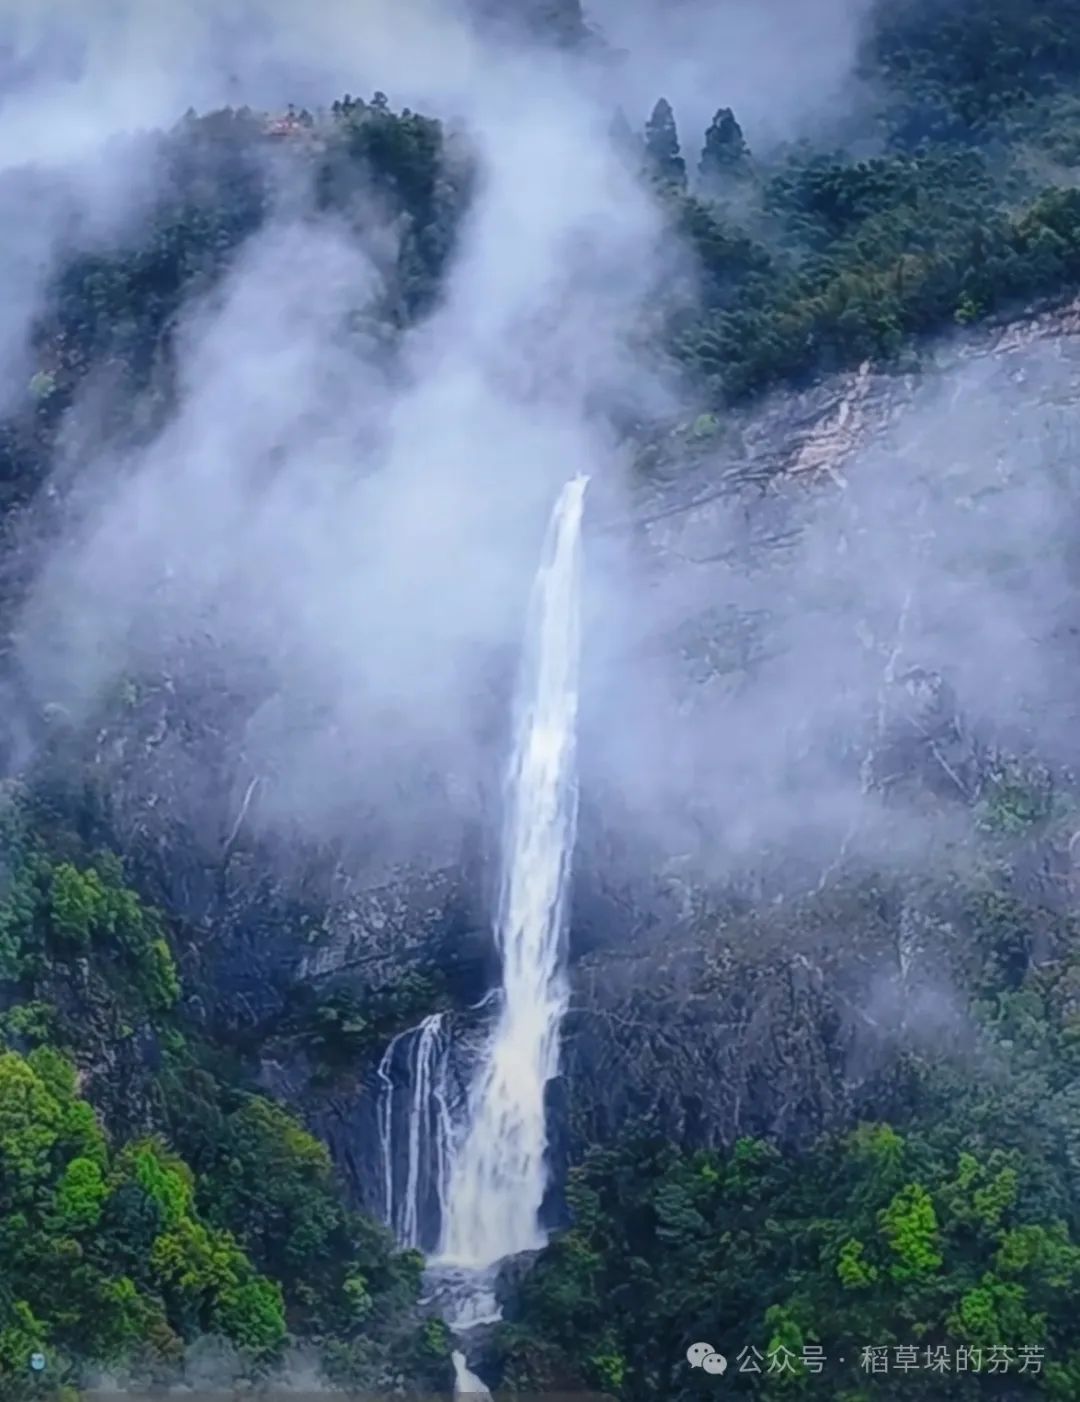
(463, 1137)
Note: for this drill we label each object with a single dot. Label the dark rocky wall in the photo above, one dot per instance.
(715, 991)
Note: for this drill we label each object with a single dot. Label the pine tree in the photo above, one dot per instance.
(725, 152)
(662, 145)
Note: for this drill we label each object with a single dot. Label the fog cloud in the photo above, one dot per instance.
(785, 69)
(358, 525)
(370, 545)
(915, 610)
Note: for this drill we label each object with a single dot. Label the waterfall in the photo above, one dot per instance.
(498, 1172)
(415, 1180)
(477, 1186)
(465, 1380)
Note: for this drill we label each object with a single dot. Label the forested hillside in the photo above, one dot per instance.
(152, 1193)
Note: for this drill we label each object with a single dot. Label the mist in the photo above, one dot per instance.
(355, 527)
(359, 528)
(786, 70)
(794, 634)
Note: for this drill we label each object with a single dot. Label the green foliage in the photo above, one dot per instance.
(209, 1284)
(21, 1335)
(1015, 800)
(910, 1224)
(861, 256)
(118, 305)
(854, 1270)
(607, 1365)
(662, 147)
(229, 1221)
(34, 1021)
(251, 1313)
(272, 1183)
(53, 913)
(160, 978)
(269, 1185)
(77, 905)
(957, 1227)
(164, 1178)
(110, 1252)
(80, 1196)
(61, 1291)
(809, 260)
(407, 159)
(338, 1026)
(962, 1225)
(960, 70)
(755, 1248)
(834, 260)
(725, 153)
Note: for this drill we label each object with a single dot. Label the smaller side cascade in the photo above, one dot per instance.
(415, 1132)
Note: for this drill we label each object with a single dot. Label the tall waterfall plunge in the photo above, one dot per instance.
(498, 1175)
(486, 1174)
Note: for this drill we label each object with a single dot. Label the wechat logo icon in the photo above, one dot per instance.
(705, 1357)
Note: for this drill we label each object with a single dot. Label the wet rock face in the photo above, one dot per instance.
(879, 642)
(715, 991)
(777, 1053)
(924, 739)
(782, 1021)
(268, 937)
(164, 776)
(366, 1115)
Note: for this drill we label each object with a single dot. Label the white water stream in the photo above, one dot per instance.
(498, 1175)
(487, 1176)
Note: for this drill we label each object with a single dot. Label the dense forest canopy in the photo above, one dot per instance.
(809, 260)
(183, 1202)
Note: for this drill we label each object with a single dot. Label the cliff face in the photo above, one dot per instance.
(779, 962)
(166, 775)
(748, 956)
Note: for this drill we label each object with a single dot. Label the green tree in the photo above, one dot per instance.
(910, 1224)
(80, 1195)
(662, 146)
(725, 153)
